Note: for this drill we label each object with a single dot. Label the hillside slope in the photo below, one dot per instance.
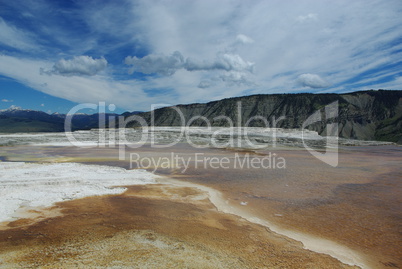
(366, 115)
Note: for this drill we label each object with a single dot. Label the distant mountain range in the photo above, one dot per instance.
(22, 120)
(365, 115)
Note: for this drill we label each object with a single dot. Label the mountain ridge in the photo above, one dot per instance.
(27, 120)
(363, 115)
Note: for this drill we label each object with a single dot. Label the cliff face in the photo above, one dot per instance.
(368, 115)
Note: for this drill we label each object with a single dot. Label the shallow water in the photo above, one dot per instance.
(356, 204)
(151, 226)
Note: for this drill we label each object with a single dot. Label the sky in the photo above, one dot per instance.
(138, 55)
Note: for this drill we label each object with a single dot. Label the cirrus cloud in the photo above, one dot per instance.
(15, 38)
(213, 51)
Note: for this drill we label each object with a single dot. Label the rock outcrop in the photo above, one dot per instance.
(364, 115)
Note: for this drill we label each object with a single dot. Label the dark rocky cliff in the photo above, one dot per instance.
(365, 115)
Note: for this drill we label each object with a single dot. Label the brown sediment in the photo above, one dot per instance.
(161, 226)
(29, 215)
(356, 204)
(316, 244)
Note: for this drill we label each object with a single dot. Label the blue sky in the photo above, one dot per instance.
(57, 54)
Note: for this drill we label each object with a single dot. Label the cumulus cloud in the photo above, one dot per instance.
(78, 66)
(168, 65)
(312, 81)
(236, 78)
(14, 107)
(82, 89)
(224, 61)
(206, 84)
(7, 101)
(160, 64)
(227, 67)
(347, 47)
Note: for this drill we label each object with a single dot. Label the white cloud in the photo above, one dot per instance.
(308, 17)
(128, 94)
(312, 81)
(78, 66)
(223, 61)
(244, 39)
(161, 64)
(16, 38)
(15, 107)
(168, 65)
(7, 101)
(338, 43)
(230, 49)
(237, 78)
(229, 79)
(206, 84)
(42, 105)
